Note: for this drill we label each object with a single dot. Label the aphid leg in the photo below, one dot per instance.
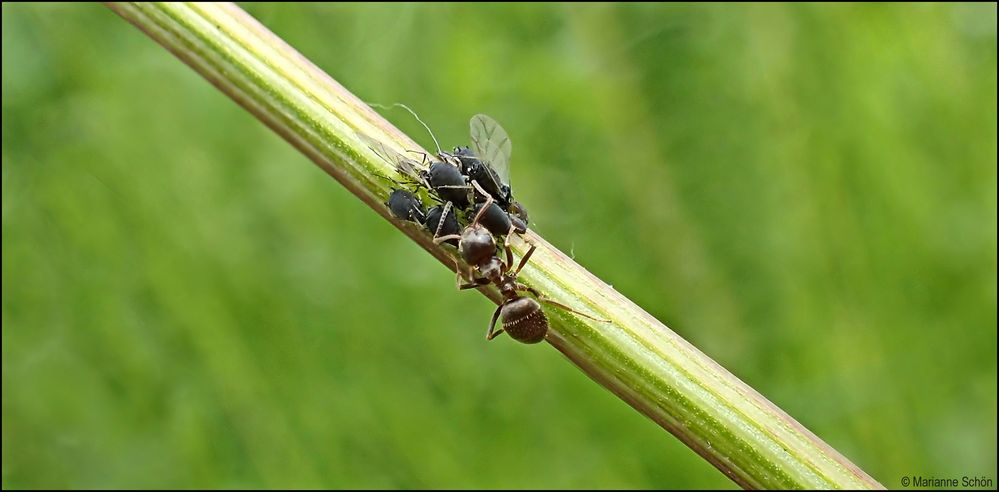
(493, 333)
(424, 154)
(447, 210)
(386, 178)
(440, 239)
(523, 261)
(410, 185)
(509, 258)
(548, 300)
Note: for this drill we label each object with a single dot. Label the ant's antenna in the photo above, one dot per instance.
(403, 106)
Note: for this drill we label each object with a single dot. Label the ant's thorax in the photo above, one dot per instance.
(492, 270)
(507, 285)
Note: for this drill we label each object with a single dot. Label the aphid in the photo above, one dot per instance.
(446, 179)
(406, 205)
(484, 174)
(493, 147)
(496, 220)
(487, 162)
(442, 221)
(439, 220)
(522, 316)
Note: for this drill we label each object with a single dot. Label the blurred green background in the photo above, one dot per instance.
(807, 193)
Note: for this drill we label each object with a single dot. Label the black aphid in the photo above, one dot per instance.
(406, 205)
(446, 227)
(487, 162)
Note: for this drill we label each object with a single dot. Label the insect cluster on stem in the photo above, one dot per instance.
(474, 181)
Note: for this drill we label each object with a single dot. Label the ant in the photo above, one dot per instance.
(522, 316)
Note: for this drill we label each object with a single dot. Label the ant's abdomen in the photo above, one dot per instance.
(524, 320)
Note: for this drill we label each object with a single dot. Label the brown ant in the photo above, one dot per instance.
(522, 316)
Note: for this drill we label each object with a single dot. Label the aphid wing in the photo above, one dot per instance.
(404, 165)
(492, 145)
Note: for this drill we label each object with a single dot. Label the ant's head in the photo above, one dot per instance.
(477, 245)
(492, 269)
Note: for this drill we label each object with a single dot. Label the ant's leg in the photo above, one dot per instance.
(492, 333)
(489, 201)
(441, 239)
(473, 281)
(479, 188)
(506, 239)
(548, 300)
(452, 187)
(479, 282)
(514, 230)
(523, 261)
(458, 277)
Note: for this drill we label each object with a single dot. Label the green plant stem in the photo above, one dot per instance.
(635, 356)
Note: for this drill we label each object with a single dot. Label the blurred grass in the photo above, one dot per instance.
(805, 192)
